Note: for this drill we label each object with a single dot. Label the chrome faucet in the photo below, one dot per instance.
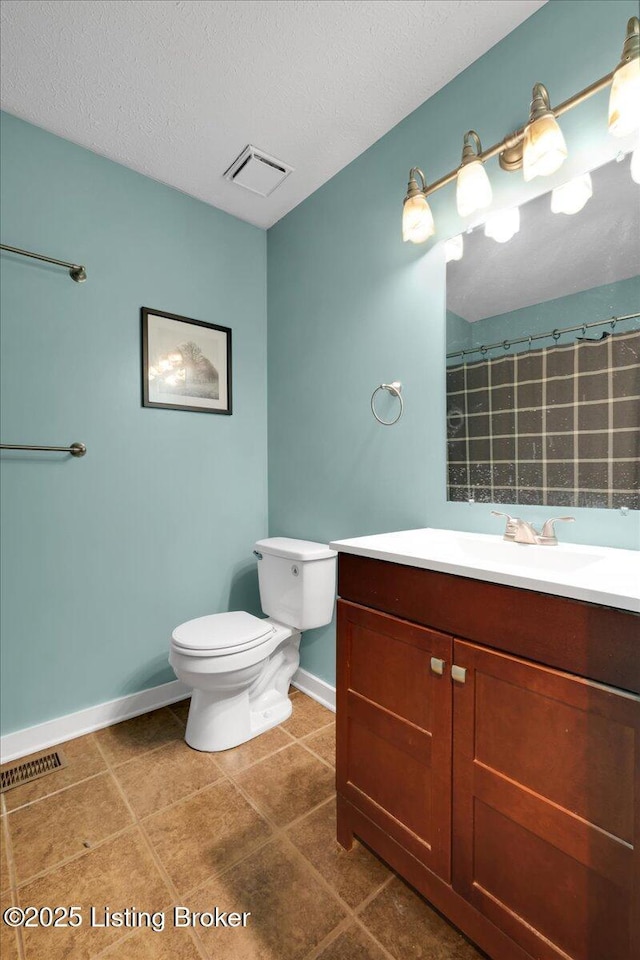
(521, 531)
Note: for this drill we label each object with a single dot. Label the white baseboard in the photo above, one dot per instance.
(52, 732)
(315, 688)
(48, 734)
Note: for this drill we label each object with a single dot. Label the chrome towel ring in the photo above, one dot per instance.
(395, 389)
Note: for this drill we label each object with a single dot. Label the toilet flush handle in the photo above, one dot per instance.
(257, 554)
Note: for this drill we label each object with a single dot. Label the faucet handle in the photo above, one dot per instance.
(512, 524)
(548, 535)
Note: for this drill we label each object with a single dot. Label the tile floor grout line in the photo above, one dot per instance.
(276, 831)
(385, 953)
(142, 750)
(266, 756)
(317, 756)
(311, 733)
(188, 796)
(138, 822)
(139, 819)
(132, 933)
(174, 803)
(54, 793)
(353, 911)
(324, 882)
(279, 828)
(330, 938)
(76, 856)
(171, 888)
(13, 877)
(143, 753)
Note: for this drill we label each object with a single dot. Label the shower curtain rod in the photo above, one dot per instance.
(76, 271)
(556, 334)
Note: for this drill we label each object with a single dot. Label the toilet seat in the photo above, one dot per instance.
(221, 634)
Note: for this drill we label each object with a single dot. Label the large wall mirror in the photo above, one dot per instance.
(543, 350)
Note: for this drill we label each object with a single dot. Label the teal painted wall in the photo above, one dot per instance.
(103, 556)
(611, 299)
(351, 306)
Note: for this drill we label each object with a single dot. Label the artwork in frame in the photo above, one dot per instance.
(186, 364)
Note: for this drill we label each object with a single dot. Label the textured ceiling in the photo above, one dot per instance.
(177, 88)
(553, 255)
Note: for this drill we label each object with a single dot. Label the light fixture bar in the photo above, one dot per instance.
(515, 139)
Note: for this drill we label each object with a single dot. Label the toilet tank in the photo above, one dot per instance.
(297, 581)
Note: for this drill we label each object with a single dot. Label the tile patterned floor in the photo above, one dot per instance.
(137, 819)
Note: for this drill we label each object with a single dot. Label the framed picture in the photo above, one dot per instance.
(186, 364)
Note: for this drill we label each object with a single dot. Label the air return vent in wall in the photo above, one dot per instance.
(257, 171)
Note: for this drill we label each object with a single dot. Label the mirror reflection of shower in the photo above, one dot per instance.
(543, 335)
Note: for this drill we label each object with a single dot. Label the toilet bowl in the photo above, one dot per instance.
(240, 666)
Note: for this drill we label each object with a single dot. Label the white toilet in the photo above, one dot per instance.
(240, 666)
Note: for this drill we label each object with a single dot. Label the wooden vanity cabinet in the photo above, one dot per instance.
(509, 797)
(394, 750)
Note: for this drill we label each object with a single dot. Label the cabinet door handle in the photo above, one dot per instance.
(459, 674)
(437, 666)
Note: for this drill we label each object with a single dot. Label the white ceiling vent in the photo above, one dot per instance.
(257, 171)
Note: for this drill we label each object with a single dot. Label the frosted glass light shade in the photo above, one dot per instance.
(544, 149)
(504, 225)
(417, 220)
(453, 248)
(473, 190)
(635, 165)
(572, 196)
(624, 100)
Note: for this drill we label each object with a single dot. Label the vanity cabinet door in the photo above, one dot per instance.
(546, 813)
(394, 729)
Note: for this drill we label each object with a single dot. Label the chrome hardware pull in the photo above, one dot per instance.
(257, 554)
(437, 666)
(459, 674)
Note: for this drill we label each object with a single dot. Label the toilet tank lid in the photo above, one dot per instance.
(292, 549)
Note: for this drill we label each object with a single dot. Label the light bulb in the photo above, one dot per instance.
(504, 225)
(453, 248)
(417, 220)
(473, 191)
(572, 196)
(544, 149)
(635, 165)
(624, 101)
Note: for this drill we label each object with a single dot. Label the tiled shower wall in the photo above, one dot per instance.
(558, 426)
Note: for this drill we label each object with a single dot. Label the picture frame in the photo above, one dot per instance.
(186, 363)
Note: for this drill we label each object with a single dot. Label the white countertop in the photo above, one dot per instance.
(603, 575)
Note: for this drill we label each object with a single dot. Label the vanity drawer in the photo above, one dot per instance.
(597, 642)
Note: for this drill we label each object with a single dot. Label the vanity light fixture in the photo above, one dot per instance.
(572, 196)
(538, 147)
(543, 149)
(503, 225)
(453, 248)
(473, 190)
(624, 100)
(417, 219)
